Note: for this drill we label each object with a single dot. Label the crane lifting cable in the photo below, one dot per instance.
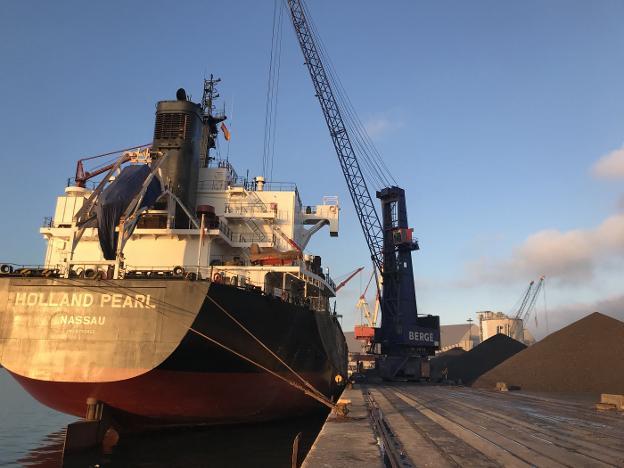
(272, 94)
(339, 131)
(374, 165)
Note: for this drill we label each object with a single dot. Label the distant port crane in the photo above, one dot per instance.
(527, 302)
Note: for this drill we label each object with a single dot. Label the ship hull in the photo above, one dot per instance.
(180, 353)
(161, 398)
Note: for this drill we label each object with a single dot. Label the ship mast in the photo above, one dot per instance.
(211, 119)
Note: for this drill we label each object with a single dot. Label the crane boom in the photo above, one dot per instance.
(524, 301)
(364, 206)
(528, 303)
(349, 278)
(405, 339)
(533, 300)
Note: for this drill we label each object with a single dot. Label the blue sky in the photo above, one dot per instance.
(490, 114)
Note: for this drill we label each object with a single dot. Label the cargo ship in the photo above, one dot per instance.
(174, 292)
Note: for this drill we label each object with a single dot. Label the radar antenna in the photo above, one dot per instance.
(211, 119)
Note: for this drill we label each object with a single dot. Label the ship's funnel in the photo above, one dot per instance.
(177, 134)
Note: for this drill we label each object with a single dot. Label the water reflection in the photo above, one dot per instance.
(257, 445)
(49, 454)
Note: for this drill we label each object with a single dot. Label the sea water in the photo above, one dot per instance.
(32, 435)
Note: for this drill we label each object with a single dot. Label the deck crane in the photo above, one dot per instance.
(344, 282)
(405, 339)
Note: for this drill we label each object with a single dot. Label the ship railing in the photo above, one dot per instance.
(90, 184)
(223, 164)
(213, 185)
(18, 269)
(248, 208)
(244, 238)
(225, 230)
(324, 275)
(85, 269)
(240, 237)
(221, 184)
(250, 185)
(228, 261)
(230, 276)
(48, 222)
(280, 187)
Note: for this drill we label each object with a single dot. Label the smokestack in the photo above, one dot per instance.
(177, 134)
(181, 94)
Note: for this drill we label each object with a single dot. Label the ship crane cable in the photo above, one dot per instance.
(307, 387)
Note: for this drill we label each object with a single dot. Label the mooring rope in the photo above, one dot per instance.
(246, 330)
(311, 391)
(304, 381)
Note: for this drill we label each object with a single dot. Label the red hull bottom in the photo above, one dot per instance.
(167, 398)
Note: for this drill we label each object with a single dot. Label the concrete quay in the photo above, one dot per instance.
(412, 425)
(346, 441)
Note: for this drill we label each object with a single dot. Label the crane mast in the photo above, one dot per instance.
(405, 339)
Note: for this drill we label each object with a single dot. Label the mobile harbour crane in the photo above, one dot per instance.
(405, 339)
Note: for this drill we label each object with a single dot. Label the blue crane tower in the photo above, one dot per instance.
(405, 339)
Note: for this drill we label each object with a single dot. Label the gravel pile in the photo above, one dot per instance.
(441, 362)
(467, 367)
(584, 357)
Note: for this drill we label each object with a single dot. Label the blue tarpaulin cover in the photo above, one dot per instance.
(115, 199)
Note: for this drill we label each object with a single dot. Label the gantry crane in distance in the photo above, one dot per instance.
(362, 304)
(405, 339)
(528, 303)
(524, 300)
(366, 333)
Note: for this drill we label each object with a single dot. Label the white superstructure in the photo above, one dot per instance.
(250, 233)
(492, 323)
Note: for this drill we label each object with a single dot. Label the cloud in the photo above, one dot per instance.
(569, 257)
(559, 317)
(610, 166)
(381, 124)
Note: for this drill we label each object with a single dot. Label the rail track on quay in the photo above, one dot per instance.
(444, 426)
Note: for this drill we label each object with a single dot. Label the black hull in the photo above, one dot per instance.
(200, 381)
